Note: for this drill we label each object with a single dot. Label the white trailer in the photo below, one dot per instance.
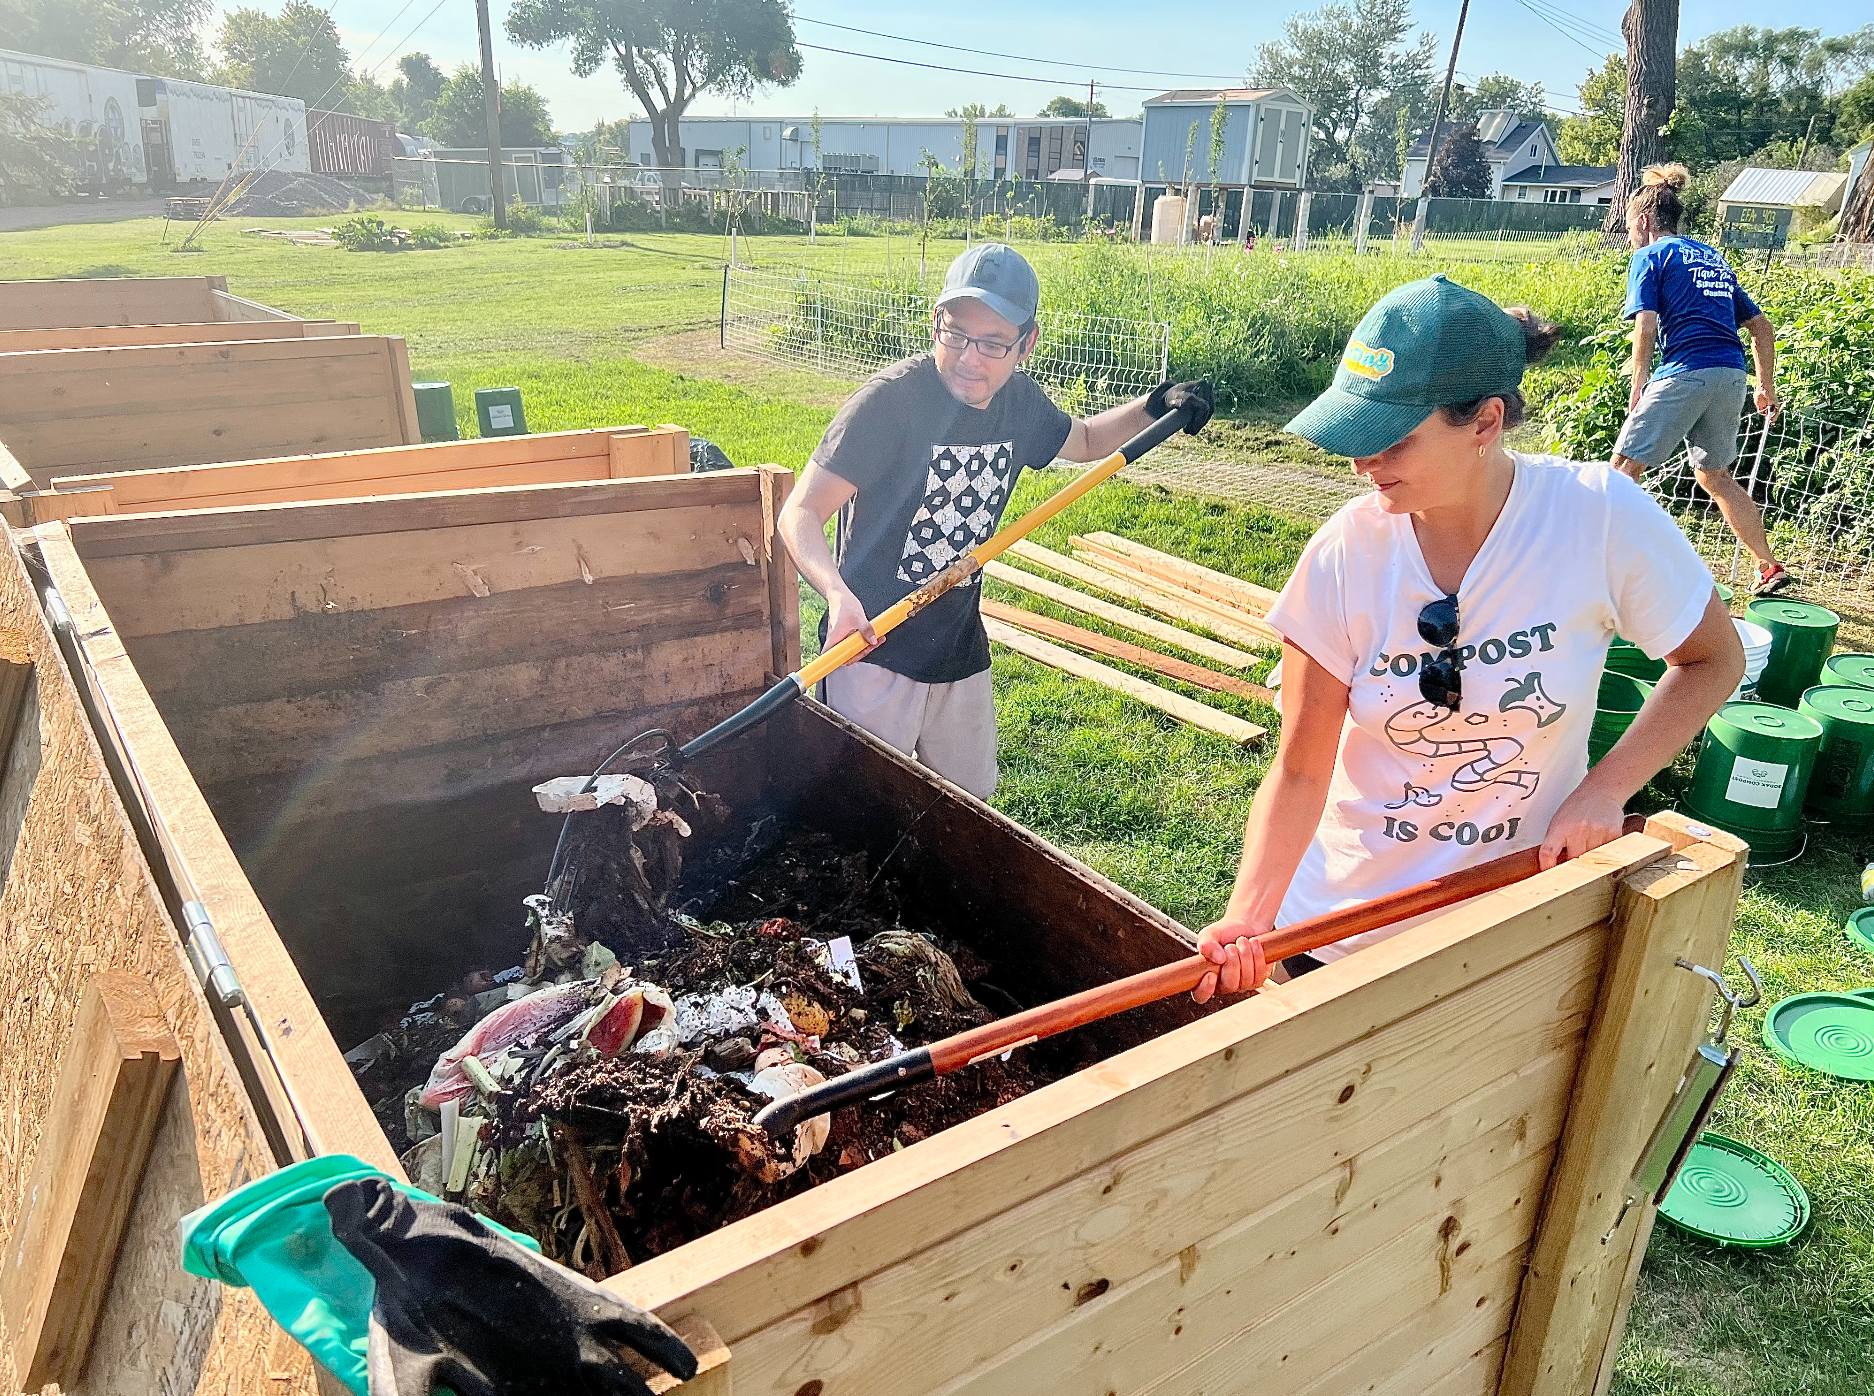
(215, 130)
(99, 104)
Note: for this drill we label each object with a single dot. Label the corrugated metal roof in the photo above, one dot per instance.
(1184, 96)
(1783, 188)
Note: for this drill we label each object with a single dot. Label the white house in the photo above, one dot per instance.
(1265, 146)
(1006, 147)
(1561, 184)
(1510, 144)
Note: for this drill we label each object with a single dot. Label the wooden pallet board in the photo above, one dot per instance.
(1186, 608)
(1118, 615)
(1095, 643)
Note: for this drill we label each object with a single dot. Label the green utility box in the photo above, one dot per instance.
(498, 410)
(435, 412)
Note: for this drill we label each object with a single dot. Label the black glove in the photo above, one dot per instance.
(459, 1306)
(1169, 397)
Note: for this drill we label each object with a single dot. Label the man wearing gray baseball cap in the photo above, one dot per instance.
(920, 464)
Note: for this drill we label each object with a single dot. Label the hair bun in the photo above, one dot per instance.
(1673, 176)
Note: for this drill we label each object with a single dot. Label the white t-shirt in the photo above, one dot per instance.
(1579, 553)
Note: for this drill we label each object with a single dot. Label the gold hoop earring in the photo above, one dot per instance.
(1482, 451)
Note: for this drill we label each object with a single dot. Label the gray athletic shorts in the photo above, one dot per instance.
(1700, 407)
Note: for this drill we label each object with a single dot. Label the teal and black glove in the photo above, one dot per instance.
(1169, 397)
(461, 1307)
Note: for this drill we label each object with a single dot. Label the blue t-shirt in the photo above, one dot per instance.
(1700, 305)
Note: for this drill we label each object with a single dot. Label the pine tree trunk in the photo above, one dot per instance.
(1652, 31)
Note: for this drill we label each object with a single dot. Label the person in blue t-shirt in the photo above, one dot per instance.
(1685, 296)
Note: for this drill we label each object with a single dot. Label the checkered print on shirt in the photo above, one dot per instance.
(963, 496)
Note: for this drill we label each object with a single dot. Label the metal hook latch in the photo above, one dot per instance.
(1684, 1118)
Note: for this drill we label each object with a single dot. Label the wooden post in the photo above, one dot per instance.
(1362, 220)
(1302, 211)
(16, 672)
(1648, 1017)
(782, 581)
(115, 1076)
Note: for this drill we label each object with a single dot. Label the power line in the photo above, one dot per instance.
(1566, 34)
(975, 72)
(1584, 24)
(1017, 57)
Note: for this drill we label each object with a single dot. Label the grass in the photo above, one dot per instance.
(620, 333)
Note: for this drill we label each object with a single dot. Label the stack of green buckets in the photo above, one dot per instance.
(1807, 743)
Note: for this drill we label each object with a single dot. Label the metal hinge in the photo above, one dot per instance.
(211, 962)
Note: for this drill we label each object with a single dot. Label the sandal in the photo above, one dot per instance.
(1771, 578)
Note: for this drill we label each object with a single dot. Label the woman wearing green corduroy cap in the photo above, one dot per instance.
(1444, 634)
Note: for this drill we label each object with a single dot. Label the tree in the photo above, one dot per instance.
(1072, 109)
(35, 159)
(1500, 92)
(1347, 59)
(461, 118)
(1219, 131)
(1742, 88)
(161, 37)
(982, 113)
(413, 92)
(1460, 171)
(296, 53)
(1854, 118)
(1651, 28)
(1593, 137)
(668, 52)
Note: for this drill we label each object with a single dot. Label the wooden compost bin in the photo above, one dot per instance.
(129, 336)
(125, 300)
(86, 411)
(608, 453)
(1391, 1176)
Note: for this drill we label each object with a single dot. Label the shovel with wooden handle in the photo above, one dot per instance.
(1182, 976)
(965, 567)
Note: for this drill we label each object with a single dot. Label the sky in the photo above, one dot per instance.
(1183, 44)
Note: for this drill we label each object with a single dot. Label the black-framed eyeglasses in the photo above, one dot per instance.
(1441, 681)
(956, 339)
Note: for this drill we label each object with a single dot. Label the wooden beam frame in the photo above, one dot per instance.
(206, 332)
(117, 1070)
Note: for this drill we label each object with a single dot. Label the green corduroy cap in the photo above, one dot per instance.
(1425, 345)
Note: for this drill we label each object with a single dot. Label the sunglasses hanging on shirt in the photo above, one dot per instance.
(1441, 680)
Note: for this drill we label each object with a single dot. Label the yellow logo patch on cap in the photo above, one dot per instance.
(1367, 362)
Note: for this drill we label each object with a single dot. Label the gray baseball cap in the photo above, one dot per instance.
(998, 276)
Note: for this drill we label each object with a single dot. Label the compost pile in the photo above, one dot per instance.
(284, 194)
(600, 1096)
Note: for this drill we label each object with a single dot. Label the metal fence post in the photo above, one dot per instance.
(1301, 220)
(722, 325)
(819, 316)
(1418, 224)
(1362, 220)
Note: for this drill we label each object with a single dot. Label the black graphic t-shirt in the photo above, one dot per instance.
(933, 477)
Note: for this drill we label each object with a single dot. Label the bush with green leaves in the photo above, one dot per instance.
(367, 233)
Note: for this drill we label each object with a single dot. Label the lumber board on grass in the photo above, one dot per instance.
(1118, 615)
(1188, 608)
(104, 1112)
(1191, 576)
(1123, 570)
(76, 889)
(1650, 1016)
(1188, 710)
(212, 332)
(1096, 643)
(752, 1273)
(181, 818)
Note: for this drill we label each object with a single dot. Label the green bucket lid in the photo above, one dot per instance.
(1840, 703)
(1860, 928)
(1765, 720)
(1725, 594)
(1833, 1033)
(1854, 669)
(1802, 615)
(1729, 1193)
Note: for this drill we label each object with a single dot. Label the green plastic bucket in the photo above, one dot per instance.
(1753, 774)
(1801, 636)
(1841, 787)
(1853, 670)
(435, 412)
(498, 411)
(1629, 659)
(1725, 594)
(1619, 702)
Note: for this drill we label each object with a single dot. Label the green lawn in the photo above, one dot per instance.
(621, 333)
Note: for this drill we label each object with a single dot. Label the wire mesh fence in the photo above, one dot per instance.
(1814, 480)
(848, 329)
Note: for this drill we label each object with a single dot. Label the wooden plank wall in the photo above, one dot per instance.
(366, 691)
(617, 453)
(108, 300)
(126, 336)
(1330, 1187)
(76, 897)
(71, 411)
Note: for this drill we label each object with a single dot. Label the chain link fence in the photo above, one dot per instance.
(849, 329)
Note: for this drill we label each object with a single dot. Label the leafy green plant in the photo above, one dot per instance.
(429, 235)
(367, 233)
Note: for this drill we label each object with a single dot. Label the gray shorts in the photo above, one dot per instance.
(1701, 407)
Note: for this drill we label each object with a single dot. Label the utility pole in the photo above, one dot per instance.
(1444, 100)
(1086, 158)
(1802, 160)
(491, 94)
